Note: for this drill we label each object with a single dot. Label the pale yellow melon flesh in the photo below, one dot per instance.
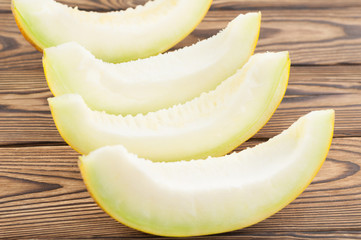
(113, 36)
(210, 125)
(153, 83)
(215, 195)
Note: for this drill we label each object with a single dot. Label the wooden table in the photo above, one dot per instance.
(41, 191)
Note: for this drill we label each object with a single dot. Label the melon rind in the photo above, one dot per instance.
(116, 36)
(200, 197)
(150, 84)
(210, 125)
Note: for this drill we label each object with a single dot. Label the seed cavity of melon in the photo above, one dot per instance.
(210, 125)
(154, 83)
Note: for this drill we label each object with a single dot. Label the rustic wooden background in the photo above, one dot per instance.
(41, 191)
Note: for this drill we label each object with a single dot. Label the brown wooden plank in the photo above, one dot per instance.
(109, 5)
(284, 4)
(25, 117)
(42, 195)
(313, 88)
(319, 36)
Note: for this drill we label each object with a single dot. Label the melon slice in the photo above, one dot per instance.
(211, 125)
(113, 36)
(154, 83)
(209, 196)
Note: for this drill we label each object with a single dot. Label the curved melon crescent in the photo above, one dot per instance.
(209, 196)
(153, 83)
(117, 36)
(211, 125)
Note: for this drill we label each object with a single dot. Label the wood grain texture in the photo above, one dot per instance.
(25, 116)
(46, 197)
(110, 5)
(313, 36)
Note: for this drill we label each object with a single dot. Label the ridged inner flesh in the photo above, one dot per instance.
(212, 124)
(154, 83)
(214, 195)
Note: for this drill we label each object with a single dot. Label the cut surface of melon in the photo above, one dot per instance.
(211, 125)
(215, 195)
(150, 84)
(116, 36)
